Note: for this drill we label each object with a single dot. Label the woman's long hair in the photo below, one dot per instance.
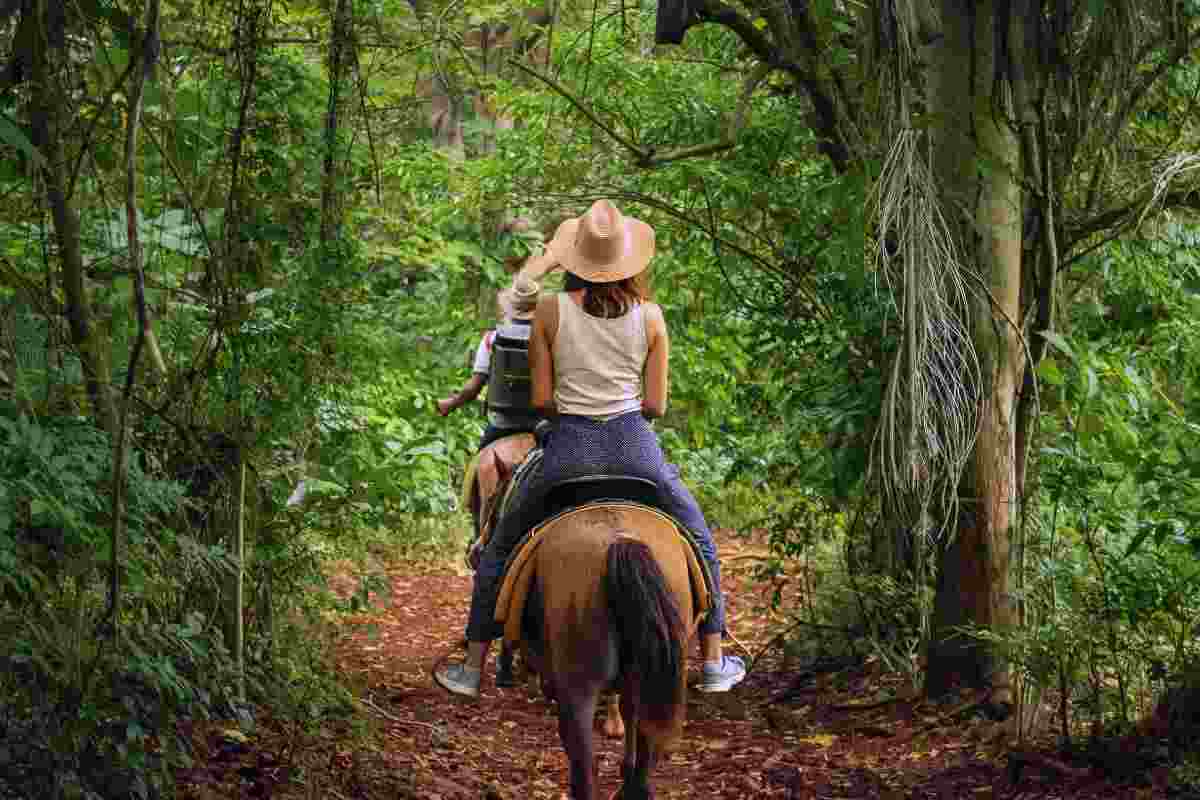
(610, 300)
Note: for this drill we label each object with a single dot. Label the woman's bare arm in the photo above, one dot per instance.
(541, 359)
(657, 378)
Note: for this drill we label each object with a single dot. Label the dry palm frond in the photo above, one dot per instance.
(929, 416)
(1168, 172)
(929, 419)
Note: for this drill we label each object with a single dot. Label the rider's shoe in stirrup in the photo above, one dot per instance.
(721, 676)
(460, 679)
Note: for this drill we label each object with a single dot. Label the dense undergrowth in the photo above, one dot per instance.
(90, 711)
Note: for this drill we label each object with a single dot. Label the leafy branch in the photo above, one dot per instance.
(649, 157)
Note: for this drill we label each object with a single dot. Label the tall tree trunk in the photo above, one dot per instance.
(47, 102)
(340, 58)
(249, 25)
(146, 57)
(446, 118)
(977, 159)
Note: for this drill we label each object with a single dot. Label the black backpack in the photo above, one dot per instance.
(509, 381)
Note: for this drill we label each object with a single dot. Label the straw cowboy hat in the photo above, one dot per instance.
(520, 300)
(602, 246)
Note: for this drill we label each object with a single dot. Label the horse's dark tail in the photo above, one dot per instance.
(650, 632)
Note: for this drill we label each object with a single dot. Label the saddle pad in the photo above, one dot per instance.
(518, 578)
(520, 477)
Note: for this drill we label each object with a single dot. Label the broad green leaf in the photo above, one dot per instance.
(13, 136)
(1049, 372)
(1124, 437)
(1093, 383)
(318, 486)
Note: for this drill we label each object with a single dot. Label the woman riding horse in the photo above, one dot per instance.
(599, 356)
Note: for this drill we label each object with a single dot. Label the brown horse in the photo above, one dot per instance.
(485, 484)
(611, 608)
(485, 487)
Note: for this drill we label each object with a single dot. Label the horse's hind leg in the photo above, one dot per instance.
(636, 785)
(576, 715)
(639, 758)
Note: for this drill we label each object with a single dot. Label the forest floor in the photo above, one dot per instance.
(854, 733)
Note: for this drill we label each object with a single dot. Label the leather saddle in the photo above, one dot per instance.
(586, 489)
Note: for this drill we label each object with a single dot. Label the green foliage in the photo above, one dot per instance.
(49, 482)
(78, 712)
(1114, 588)
(85, 712)
(1185, 776)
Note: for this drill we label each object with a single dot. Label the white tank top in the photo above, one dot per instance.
(598, 362)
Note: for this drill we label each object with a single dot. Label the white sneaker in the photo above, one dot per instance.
(460, 679)
(721, 676)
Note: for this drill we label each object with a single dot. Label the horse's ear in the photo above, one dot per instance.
(503, 473)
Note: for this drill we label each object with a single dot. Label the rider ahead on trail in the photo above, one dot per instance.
(516, 305)
(599, 362)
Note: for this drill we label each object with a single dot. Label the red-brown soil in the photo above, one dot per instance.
(423, 743)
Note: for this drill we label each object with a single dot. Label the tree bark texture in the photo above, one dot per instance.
(251, 20)
(47, 102)
(340, 59)
(977, 160)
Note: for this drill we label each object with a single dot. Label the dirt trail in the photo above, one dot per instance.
(814, 744)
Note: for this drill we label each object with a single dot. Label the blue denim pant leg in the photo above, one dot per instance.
(679, 502)
(481, 625)
(481, 622)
